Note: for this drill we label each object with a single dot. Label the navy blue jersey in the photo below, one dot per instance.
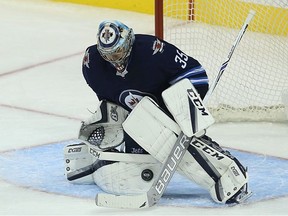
(153, 66)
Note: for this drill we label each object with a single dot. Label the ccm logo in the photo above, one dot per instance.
(208, 150)
(171, 165)
(94, 153)
(196, 101)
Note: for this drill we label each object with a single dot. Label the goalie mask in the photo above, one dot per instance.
(114, 43)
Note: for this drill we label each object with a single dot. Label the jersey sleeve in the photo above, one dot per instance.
(88, 64)
(178, 64)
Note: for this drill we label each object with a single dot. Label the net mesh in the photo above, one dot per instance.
(256, 78)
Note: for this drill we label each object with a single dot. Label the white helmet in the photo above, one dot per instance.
(114, 42)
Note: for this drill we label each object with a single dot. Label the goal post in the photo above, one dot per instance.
(158, 5)
(254, 84)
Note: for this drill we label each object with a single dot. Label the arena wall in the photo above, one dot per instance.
(270, 22)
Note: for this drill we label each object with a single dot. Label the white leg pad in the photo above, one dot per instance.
(230, 182)
(151, 128)
(229, 177)
(157, 135)
(190, 168)
(126, 178)
(76, 157)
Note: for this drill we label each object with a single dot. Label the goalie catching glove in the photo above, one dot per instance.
(104, 128)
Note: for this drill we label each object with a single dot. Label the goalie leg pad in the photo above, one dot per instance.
(205, 162)
(228, 174)
(153, 128)
(76, 158)
(187, 107)
(126, 178)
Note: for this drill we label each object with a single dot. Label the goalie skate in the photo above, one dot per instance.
(241, 196)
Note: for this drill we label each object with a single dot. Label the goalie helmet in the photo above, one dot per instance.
(114, 42)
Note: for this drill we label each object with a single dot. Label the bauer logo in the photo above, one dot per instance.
(172, 162)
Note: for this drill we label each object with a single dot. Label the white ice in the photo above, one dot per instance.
(43, 98)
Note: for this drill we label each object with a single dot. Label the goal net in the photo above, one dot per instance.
(254, 86)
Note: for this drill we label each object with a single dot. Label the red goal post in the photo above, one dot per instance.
(255, 84)
(158, 5)
(159, 18)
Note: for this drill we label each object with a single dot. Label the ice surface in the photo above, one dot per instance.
(43, 98)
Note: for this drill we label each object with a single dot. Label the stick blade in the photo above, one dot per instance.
(123, 201)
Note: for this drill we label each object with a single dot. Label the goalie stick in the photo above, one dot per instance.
(225, 63)
(160, 183)
(109, 157)
(119, 156)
